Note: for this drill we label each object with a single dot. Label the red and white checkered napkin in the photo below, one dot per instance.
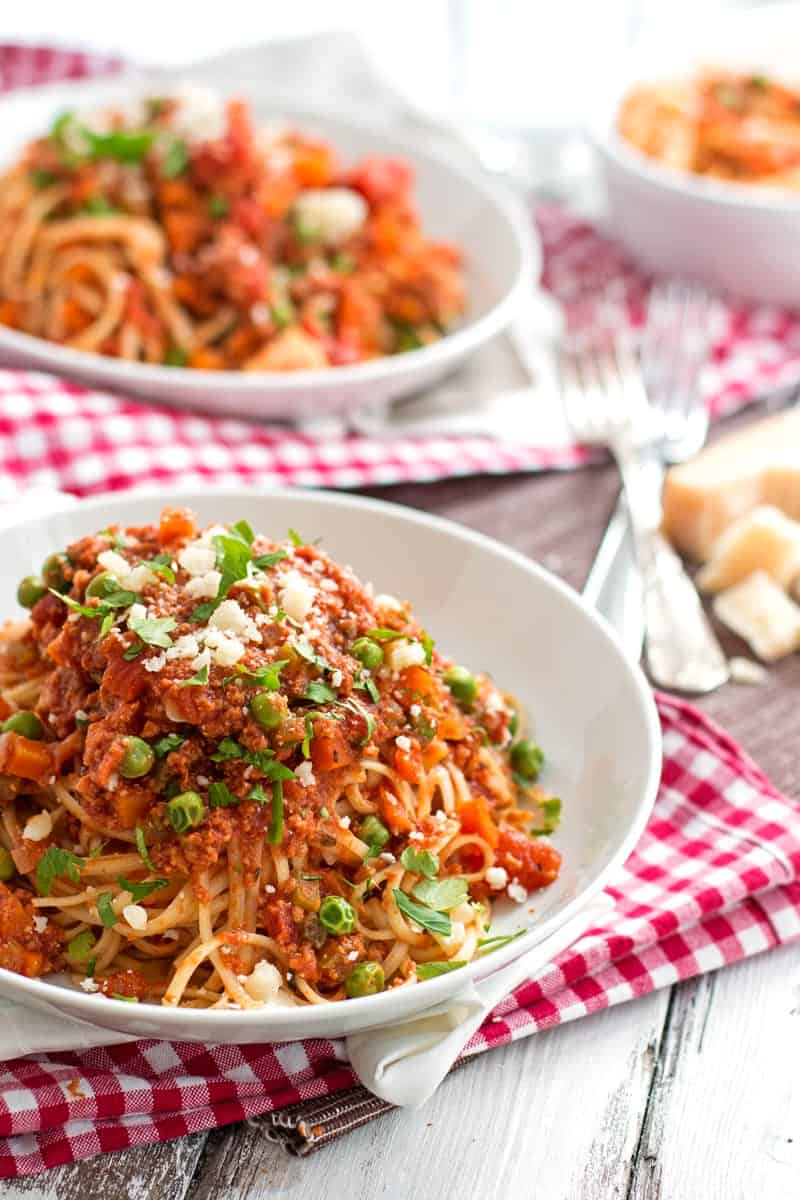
(714, 879)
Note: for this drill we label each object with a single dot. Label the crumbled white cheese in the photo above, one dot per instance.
(414, 711)
(328, 585)
(402, 742)
(761, 613)
(744, 670)
(259, 313)
(387, 857)
(331, 214)
(199, 115)
(38, 828)
(40, 924)
(305, 774)
(225, 649)
(344, 822)
(264, 984)
(517, 892)
(497, 878)
(89, 984)
(384, 600)
(336, 679)
(139, 578)
(269, 889)
(494, 703)
(136, 612)
(352, 955)
(203, 587)
(203, 659)
(230, 617)
(118, 566)
(135, 915)
(206, 538)
(296, 595)
(197, 559)
(455, 938)
(185, 647)
(156, 663)
(401, 654)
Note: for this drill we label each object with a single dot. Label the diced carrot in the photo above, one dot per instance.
(191, 293)
(435, 752)
(476, 818)
(393, 813)
(418, 681)
(326, 753)
(408, 764)
(184, 229)
(124, 679)
(177, 193)
(451, 728)
(130, 807)
(175, 523)
(10, 313)
(313, 165)
(206, 359)
(24, 758)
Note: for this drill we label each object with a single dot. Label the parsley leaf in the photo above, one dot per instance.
(441, 894)
(430, 970)
(199, 679)
(138, 891)
(369, 721)
(427, 918)
(176, 160)
(227, 750)
(54, 863)
(153, 631)
(427, 643)
(165, 745)
(85, 610)
(233, 560)
(366, 683)
(258, 794)
(487, 945)
(133, 651)
(106, 910)
(265, 561)
(319, 692)
(266, 677)
(275, 831)
(161, 565)
(551, 816)
(296, 540)
(421, 862)
(384, 635)
(245, 532)
(220, 796)
(141, 846)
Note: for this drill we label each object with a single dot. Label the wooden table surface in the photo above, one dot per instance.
(688, 1094)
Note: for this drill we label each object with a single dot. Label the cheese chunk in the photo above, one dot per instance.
(758, 465)
(761, 540)
(761, 613)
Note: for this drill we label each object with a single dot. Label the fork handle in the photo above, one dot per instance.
(682, 651)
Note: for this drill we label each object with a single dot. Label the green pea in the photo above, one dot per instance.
(337, 915)
(373, 832)
(462, 685)
(266, 710)
(102, 584)
(53, 572)
(138, 760)
(79, 950)
(185, 811)
(7, 867)
(25, 723)
(30, 589)
(527, 759)
(365, 979)
(367, 652)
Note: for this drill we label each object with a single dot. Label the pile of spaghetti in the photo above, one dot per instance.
(176, 232)
(734, 126)
(230, 775)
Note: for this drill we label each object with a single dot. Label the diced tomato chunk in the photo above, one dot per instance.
(532, 863)
(380, 179)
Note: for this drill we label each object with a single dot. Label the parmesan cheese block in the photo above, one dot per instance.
(761, 613)
(761, 540)
(758, 465)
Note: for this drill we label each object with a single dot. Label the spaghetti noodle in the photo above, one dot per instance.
(178, 233)
(231, 776)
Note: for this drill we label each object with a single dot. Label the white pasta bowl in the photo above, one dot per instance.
(491, 608)
(458, 202)
(734, 238)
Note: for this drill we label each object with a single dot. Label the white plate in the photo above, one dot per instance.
(492, 609)
(457, 202)
(735, 238)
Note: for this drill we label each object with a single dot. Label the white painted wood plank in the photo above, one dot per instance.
(556, 1116)
(724, 1117)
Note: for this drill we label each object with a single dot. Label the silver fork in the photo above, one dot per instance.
(674, 347)
(606, 403)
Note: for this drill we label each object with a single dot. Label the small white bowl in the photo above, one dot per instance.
(457, 201)
(735, 238)
(492, 609)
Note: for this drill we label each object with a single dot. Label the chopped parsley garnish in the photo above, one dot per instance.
(233, 562)
(430, 970)
(141, 846)
(138, 891)
(176, 160)
(369, 721)
(245, 531)
(199, 679)
(220, 796)
(488, 944)
(229, 750)
(54, 863)
(441, 894)
(295, 538)
(307, 652)
(218, 206)
(426, 918)
(275, 831)
(366, 683)
(153, 631)
(42, 179)
(427, 643)
(265, 561)
(421, 862)
(161, 565)
(258, 794)
(133, 651)
(266, 677)
(384, 635)
(551, 815)
(319, 692)
(106, 910)
(165, 745)
(425, 727)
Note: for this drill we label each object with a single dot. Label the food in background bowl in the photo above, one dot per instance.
(175, 231)
(232, 776)
(742, 127)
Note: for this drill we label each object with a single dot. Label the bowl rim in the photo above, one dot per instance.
(602, 132)
(459, 341)
(174, 1021)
